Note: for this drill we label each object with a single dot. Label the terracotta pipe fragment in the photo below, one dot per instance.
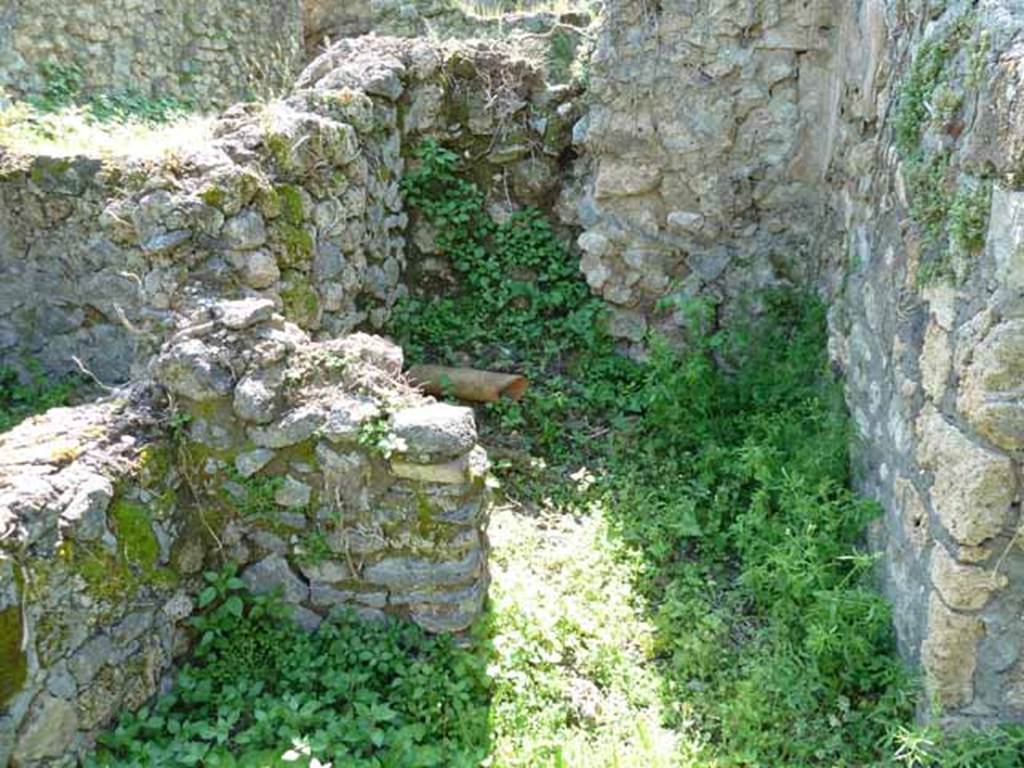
(468, 383)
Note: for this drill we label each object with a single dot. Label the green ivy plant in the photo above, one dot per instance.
(520, 305)
(64, 88)
(32, 391)
(259, 692)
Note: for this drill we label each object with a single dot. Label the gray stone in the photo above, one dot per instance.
(324, 596)
(243, 313)
(296, 426)
(249, 463)
(273, 572)
(178, 607)
(90, 658)
(438, 621)
(329, 571)
(293, 494)
(131, 627)
(191, 369)
(166, 241)
(48, 731)
(245, 232)
(467, 598)
(85, 516)
(435, 430)
(413, 573)
(269, 542)
(627, 324)
(347, 416)
(258, 269)
(293, 520)
(307, 620)
(60, 683)
(258, 395)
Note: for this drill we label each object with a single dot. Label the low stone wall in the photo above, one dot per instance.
(550, 39)
(210, 53)
(297, 201)
(311, 465)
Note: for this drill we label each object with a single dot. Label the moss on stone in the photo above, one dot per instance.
(213, 196)
(926, 75)
(105, 576)
(13, 661)
(968, 218)
(269, 202)
(292, 208)
(113, 576)
(301, 302)
(297, 242)
(136, 542)
(155, 463)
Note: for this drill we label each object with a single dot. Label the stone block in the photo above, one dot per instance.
(397, 573)
(964, 587)
(273, 572)
(436, 430)
(992, 389)
(974, 487)
(949, 655)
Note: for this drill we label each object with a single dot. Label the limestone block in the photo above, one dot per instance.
(622, 178)
(407, 573)
(1005, 239)
(251, 462)
(974, 486)
(258, 395)
(295, 426)
(258, 269)
(85, 516)
(293, 494)
(963, 587)
(245, 232)
(992, 389)
(347, 416)
(936, 361)
(949, 654)
(465, 469)
(326, 571)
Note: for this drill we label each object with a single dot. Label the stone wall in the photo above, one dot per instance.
(925, 251)
(310, 465)
(210, 53)
(295, 200)
(870, 152)
(706, 148)
(551, 39)
(227, 280)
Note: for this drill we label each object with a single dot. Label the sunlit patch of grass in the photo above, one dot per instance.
(74, 130)
(574, 685)
(494, 9)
